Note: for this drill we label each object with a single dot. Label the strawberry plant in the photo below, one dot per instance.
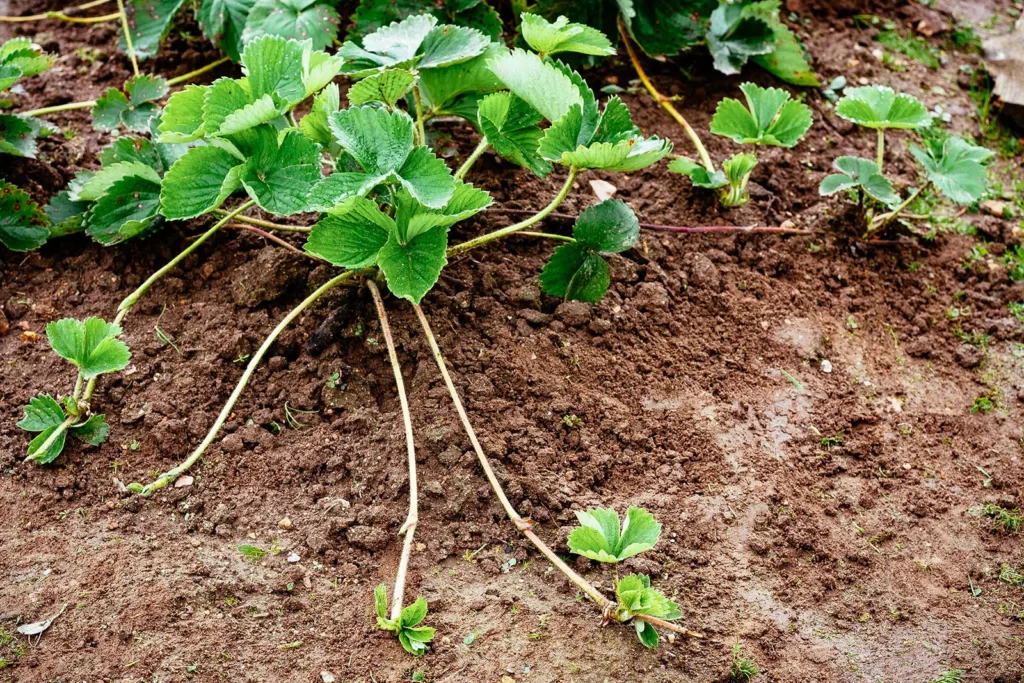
(770, 117)
(20, 58)
(23, 225)
(953, 166)
(134, 108)
(412, 637)
(93, 347)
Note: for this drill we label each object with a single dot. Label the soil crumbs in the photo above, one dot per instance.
(802, 414)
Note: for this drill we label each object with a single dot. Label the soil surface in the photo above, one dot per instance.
(796, 411)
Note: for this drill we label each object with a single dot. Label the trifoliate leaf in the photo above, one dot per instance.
(416, 40)
(665, 27)
(23, 226)
(150, 22)
(199, 182)
(413, 268)
(770, 118)
(549, 38)
(93, 431)
(106, 114)
(863, 173)
(634, 594)
(298, 19)
(42, 412)
(351, 234)
(134, 108)
(607, 228)
(132, 149)
(734, 37)
(223, 21)
(18, 135)
(280, 178)
(510, 125)
(315, 125)
(698, 174)
(955, 168)
(413, 218)
(274, 67)
(600, 539)
(575, 273)
(389, 87)
(379, 140)
(91, 346)
(879, 106)
(540, 84)
(737, 169)
(373, 14)
(442, 88)
(182, 119)
(127, 209)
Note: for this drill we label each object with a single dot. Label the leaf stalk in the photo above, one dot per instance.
(178, 80)
(476, 154)
(881, 148)
(87, 104)
(128, 36)
(878, 222)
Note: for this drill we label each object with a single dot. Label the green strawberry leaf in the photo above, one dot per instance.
(316, 124)
(734, 37)
(340, 186)
(389, 87)
(442, 88)
(627, 155)
(770, 118)
(93, 431)
(448, 45)
(737, 169)
(18, 135)
(128, 208)
(182, 119)
(417, 41)
(199, 182)
(879, 106)
(510, 125)
(413, 218)
(23, 226)
(41, 413)
(222, 98)
(956, 168)
(91, 346)
(665, 27)
(647, 634)
(351, 234)
(223, 21)
(859, 173)
(97, 184)
(413, 614)
(274, 67)
(66, 215)
(698, 174)
(542, 85)
(134, 110)
(281, 177)
(380, 601)
(547, 38)
(298, 19)
(52, 452)
(575, 273)
(610, 227)
(600, 539)
(412, 269)
(788, 61)
(149, 22)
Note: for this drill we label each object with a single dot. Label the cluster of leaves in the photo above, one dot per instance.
(231, 24)
(414, 638)
(953, 166)
(770, 117)
(94, 349)
(133, 108)
(600, 538)
(20, 58)
(371, 15)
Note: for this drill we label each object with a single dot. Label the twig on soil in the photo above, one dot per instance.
(526, 525)
(265, 224)
(87, 104)
(177, 80)
(409, 527)
(172, 474)
(672, 228)
(128, 36)
(275, 239)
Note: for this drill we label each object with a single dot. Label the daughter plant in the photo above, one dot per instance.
(953, 166)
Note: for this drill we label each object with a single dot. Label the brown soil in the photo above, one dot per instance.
(699, 382)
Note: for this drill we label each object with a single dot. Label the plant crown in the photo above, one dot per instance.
(414, 638)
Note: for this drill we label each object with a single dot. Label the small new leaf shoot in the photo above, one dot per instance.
(600, 538)
(414, 638)
(879, 106)
(548, 38)
(858, 173)
(636, 597)
(771, 117)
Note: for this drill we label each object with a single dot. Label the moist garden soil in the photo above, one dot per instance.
(698, 389)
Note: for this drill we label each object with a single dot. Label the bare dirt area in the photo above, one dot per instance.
(800, 412)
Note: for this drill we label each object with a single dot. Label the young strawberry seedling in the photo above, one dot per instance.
(93, 347)
(952, 165)
(770, 117)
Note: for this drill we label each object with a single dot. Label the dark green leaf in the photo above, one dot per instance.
(93, 431)
(665, 27)
(575, 273)
(41, 413)
(298, 19)
(150, 22)
(608, 228)
(223, 21)
(18, 135)
(863, 173)
(128, 208)
(734, 37)
(23, 226)
(956, 169)
(199, 182)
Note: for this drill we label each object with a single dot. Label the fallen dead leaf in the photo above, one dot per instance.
(603, 190)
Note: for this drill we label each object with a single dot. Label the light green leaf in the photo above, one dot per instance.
(610, 227)
(647, 634)
(734, 37)
(427, 178)
(319, 70)
(280, 178)
(635, 595)
(575, 273)
(448, 45)
(698, 174)
(879, 106)
(223, 98)
(101, 181)
(274, 67)
(380, 601)
(52, 452)
(549, 38)
(770, 118)
(92, 346)
(415, 613)
(600, 539)
(297, 19)
(380, 141)
(41, 413)
(351, 234)
(412, 269)
(93, 431)
(615, 124)
(737, 169)
(182, 119)
(150, 22)
(388, 86)
(199, 182)
(510, 125)
(956, 168)
(263, 110)
(23, 226)
(315, 125)
(127, 208)
(628, 155)
(441, 87)
(394, 45)
(862, 173)
(540, 84)
(413, 218)
(339, 186)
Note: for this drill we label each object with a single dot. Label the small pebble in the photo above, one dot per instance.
(285, 524)
(327, 677)
(182, 482)
(293, 558)
(826, 366)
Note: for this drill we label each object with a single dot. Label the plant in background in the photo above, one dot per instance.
(371, 15)
(743, 668)
(953, 166)
(770, 117)
(23, 225)
(93, 347)
(134, 108)
(20, 58)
